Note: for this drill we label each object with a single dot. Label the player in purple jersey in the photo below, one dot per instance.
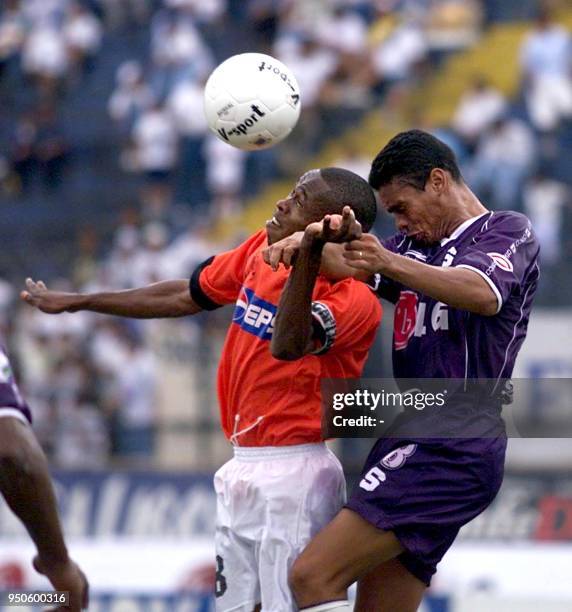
(26, 487)
(463, 279)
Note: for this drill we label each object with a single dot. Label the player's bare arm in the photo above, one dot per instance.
(459, 288)
(159, 300)
(294, 309)
(27, 489)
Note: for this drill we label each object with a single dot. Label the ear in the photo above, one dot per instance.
(438, 181)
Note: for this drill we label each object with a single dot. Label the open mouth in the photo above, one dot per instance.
(275, 222)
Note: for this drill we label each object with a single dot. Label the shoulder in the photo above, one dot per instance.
(396, 242)
(506, 220)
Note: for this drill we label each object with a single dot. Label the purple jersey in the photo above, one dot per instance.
(11, 402)
(432, 340)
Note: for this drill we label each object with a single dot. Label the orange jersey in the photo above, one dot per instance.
(264, 401)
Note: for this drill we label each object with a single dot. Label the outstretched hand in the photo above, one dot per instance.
(66, 577)
(335, 228)
(51, 302)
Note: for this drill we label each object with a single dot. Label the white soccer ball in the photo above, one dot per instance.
(252, 101)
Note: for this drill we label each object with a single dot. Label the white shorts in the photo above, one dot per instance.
(271, 501)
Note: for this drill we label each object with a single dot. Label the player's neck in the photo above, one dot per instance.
(465, 206)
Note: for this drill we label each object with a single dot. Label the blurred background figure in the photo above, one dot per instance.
(479, 108)
(504, 158)
(546, 62)
(109, 177)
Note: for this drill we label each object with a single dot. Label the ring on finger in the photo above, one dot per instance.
(360, 253)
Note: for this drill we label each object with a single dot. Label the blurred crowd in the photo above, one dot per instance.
(348, 57)
(515, 152)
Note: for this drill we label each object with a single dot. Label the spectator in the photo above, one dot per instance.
(544, 202)
(82, 32)
(178, 50)
(131, 96)
(546, 62)
(187, 109)
(155, 138)
(313, 66)
(44, 58)
(126, 251)
(135, 403)
(342, 30)
(149, 265)
(504, 158)
(480, 106)
(225, 175)
(395, 60)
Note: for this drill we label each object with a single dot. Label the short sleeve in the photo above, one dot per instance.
(10, 396)
(217, 280)
(502, 254)
(346, 315)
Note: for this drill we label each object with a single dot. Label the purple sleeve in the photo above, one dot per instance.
(502, 253)
(10, 396)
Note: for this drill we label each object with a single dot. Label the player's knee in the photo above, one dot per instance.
(306, 581)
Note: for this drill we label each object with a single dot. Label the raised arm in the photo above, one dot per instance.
(457, 287)
(159, 300)
(293, 335)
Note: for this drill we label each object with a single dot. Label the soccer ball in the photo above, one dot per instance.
(252, 101)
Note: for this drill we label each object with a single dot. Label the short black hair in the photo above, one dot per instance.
(350, 189)
(410, 157)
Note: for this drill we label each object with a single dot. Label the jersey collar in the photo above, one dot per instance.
(465, 225)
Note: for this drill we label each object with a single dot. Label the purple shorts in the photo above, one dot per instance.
(424, 491)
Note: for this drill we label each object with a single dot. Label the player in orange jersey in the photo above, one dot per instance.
(283, 485)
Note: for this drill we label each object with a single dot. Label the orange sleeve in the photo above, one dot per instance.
(347, 312)
(217, 281)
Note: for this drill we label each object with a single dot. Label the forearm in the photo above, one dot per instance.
(457, 287)
(334, 266)
(164, 299)
(292, 337)
(26, 486)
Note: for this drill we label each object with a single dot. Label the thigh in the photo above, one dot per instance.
(237, 585)
(347, 549)
(236, 580)
(389, 587)
(307, 492)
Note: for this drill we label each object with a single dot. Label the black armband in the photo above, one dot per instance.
(200, 298)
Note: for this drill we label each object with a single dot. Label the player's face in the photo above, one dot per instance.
(418, 214)
(303, 205)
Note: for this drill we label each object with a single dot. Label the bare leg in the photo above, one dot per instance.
(389, 587)
(346, 549)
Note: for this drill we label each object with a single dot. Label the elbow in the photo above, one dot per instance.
(488, 307)
(285, 353)
(285, 350)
